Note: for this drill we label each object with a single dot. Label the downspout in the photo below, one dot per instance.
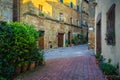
(18, 10)
(81, 12)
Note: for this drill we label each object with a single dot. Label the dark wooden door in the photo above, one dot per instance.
(98, 37)
(60, 39)
(41, 42)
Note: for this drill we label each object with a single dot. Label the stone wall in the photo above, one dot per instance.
(51, 29)
(91, 23)
(51, 9)
(50, 23)
(6, 10)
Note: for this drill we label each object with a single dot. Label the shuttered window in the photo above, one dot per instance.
(40, 7)
(61, 1)
(71, 5)
(110, 35)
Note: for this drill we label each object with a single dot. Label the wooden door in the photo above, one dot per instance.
(98, 37)
(41, 42)
(60, 39)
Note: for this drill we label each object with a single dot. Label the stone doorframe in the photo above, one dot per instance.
(98, 34)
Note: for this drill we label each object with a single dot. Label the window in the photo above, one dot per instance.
(84, 23)
(77, 22)
(110, 35)
(61, 17)
(61, 1)
(71, 5)
(40, 7)
(71, 20)
(77, 8)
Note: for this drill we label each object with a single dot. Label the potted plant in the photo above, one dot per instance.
(97, 56)
(18, 68)
(25, 66)
(67, 43)
(41, 57)
(31, 64)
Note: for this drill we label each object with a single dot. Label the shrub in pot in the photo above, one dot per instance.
(31, 64)
(108, 69)
(16, 41)
(18, 68)
(25, 66)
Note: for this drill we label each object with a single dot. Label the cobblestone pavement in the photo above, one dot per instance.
(70, 66)
(65, 52)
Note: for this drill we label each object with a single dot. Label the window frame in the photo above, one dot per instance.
(110, 26)
(61, 1)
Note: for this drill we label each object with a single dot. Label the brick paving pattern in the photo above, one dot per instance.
(74, 68)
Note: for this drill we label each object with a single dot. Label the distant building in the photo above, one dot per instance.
(107, 29)
(91, 23)
(84, 17)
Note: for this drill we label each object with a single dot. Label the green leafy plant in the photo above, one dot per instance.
(78, 39)
(41, 14)
(67, 43)
(18, 46)
(75, 40)
(2, 78)
(98, 56)
(108, 69)
(109, 60)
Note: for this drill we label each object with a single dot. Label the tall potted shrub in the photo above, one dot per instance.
(18, 43)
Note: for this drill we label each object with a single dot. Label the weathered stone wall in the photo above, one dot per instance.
(50, 23)
(85, 17)
(91, 23)
(51, 28)
(51, 9)
(6, 10)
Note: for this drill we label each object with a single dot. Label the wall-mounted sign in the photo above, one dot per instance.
(90, 28)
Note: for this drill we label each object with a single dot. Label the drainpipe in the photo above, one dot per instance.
(81, 12)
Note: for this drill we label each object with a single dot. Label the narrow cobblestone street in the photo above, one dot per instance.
(72, 63)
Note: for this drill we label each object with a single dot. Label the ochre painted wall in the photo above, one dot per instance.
(51, 9)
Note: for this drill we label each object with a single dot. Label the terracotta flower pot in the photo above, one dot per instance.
(31, 65)
(36, 63)
(18, 70)
(24, 67)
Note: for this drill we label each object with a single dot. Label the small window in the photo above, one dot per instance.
(77, 22)
(61, 17)
(77, 8)
(110, 33)
(71, 5)
(61, 1)
(71, 20)
(40, 7)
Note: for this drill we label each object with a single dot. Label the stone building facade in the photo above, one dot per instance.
(107, 28)
(91, 23)
(57, 20)
(84, 17)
